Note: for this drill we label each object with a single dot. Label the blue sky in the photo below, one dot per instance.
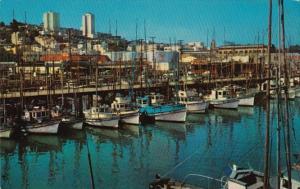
(189, 20)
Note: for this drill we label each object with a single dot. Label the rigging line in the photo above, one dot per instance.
(179, 164)
(182, 162)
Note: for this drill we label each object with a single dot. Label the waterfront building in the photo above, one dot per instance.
(88, 25)
(229, 50)
(51, 21)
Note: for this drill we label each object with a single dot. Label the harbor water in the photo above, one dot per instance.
(208, 144)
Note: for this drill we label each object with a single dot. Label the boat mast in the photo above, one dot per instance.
(278, 91)
(286, 87)
(267, 137)
(153, 60)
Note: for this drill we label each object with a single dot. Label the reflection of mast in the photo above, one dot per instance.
(24, 168)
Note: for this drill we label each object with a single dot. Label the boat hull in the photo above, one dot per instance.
(246, 101)
(297, 92)
(6, 133)
(197, 107)
(43, 128)
(130, 118)
(225, 104)
(104, 123)
(72, 124)
(175, 116)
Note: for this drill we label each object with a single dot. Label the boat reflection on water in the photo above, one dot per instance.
(76, 135)
(247, 111)
(7, 146)
(196, 118)
(176, 130)
(99, 133)
(223, 117)
(44, 143)
(131, 130)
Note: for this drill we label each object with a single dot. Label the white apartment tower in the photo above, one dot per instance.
(88, 25)
(51, 21)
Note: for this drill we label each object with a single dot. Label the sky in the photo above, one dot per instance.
(240, 21)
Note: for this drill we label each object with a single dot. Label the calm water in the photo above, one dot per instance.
(130, 158)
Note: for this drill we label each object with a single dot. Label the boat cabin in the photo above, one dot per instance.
(37, 114)
(143, 101)
(157, 98)
(188, 96)
(245, 179)
(220, 94)
(121, 104)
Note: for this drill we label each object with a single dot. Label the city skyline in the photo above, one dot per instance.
(235, 21)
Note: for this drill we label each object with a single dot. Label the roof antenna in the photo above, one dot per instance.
(109, 27)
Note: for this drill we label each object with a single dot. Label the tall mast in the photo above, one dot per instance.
(146, 56)
(286, 88)
(267, 140)
(278, 87)
(153, 59)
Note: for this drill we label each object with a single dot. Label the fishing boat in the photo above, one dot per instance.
(71, 119)
(40, 120)
(246, 97)
(5, 130)
(291, 89)
(152, 107)
(222, 98)
(72, 122)
(193, 101)
(123, 107)
(101, 117)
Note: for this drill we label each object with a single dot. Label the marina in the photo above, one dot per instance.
(162, 106)
(207, 144)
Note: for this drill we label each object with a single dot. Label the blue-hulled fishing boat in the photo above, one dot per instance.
(153, 108)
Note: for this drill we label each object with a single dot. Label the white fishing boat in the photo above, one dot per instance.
(193, 101)
(221, 98)
(72, 122)
(123, 107)
(291, 90)
(101, 117)
(153, 108)
(246, 97)
(39, 121)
